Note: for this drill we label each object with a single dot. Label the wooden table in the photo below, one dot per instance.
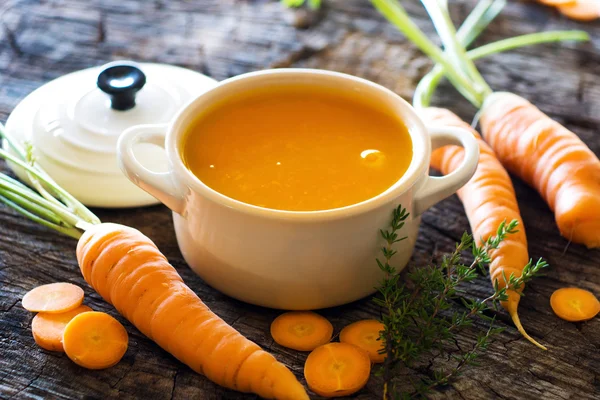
(41, 40)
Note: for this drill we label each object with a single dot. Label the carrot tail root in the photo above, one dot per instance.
(511, 307)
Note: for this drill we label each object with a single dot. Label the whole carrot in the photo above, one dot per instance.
(550, 158)
(128, 271)
(489, 199)
(541, 151)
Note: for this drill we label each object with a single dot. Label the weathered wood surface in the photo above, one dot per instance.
(41, 40)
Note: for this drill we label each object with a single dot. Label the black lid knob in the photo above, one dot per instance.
(121, 83)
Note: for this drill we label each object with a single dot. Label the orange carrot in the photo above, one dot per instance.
(128, 271)
(365, 334)
(556, 2)
(581, 10)
(489, 199)
(53, 298)
(301, 330)
(337, 369)
(550, 158)
(574, 304)
(48, 328)
(95, 340)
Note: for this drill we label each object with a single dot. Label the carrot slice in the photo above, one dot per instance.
(53, 298)
(574, 304)
(47, 328)
(95, 340)
(337, 369)
(301, 330)
(581, 10)
(365, 334)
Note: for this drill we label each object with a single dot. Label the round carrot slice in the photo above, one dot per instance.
(301, 330)
(365, 334)
(95, 340)
(48, 328)
(581, 10)
(337, 369)
(53, 298)
(574, 304)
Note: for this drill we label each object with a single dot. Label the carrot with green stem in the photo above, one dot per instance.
(95, 340)
(128, 271)
(543, 153)
(489, 197)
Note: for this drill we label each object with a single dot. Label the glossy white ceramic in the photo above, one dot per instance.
(285, 259)
(74, 131)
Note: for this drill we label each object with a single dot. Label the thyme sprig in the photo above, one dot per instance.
(417, 311)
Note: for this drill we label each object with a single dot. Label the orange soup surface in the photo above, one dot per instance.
(297, 148)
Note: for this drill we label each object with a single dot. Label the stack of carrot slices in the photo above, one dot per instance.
(580, 10)
(91, 339)
(332, 369)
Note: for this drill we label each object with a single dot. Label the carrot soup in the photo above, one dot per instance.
(297, 148)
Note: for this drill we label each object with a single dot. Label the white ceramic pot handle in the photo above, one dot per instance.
(435, 188)
(161, 185)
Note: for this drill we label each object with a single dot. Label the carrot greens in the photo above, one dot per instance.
(429, 83)
(454, 60)
(49, 204)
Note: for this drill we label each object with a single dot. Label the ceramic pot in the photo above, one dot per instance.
(286, 259)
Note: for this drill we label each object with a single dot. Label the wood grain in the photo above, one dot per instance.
(41, 40)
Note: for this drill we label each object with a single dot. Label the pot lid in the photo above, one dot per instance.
(74, 123)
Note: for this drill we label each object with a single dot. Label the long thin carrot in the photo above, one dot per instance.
(489, 199)
(542, 152)
(550, 158)
(574, 304)
(128, 271)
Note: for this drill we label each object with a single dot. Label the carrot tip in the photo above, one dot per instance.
(517, 322)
